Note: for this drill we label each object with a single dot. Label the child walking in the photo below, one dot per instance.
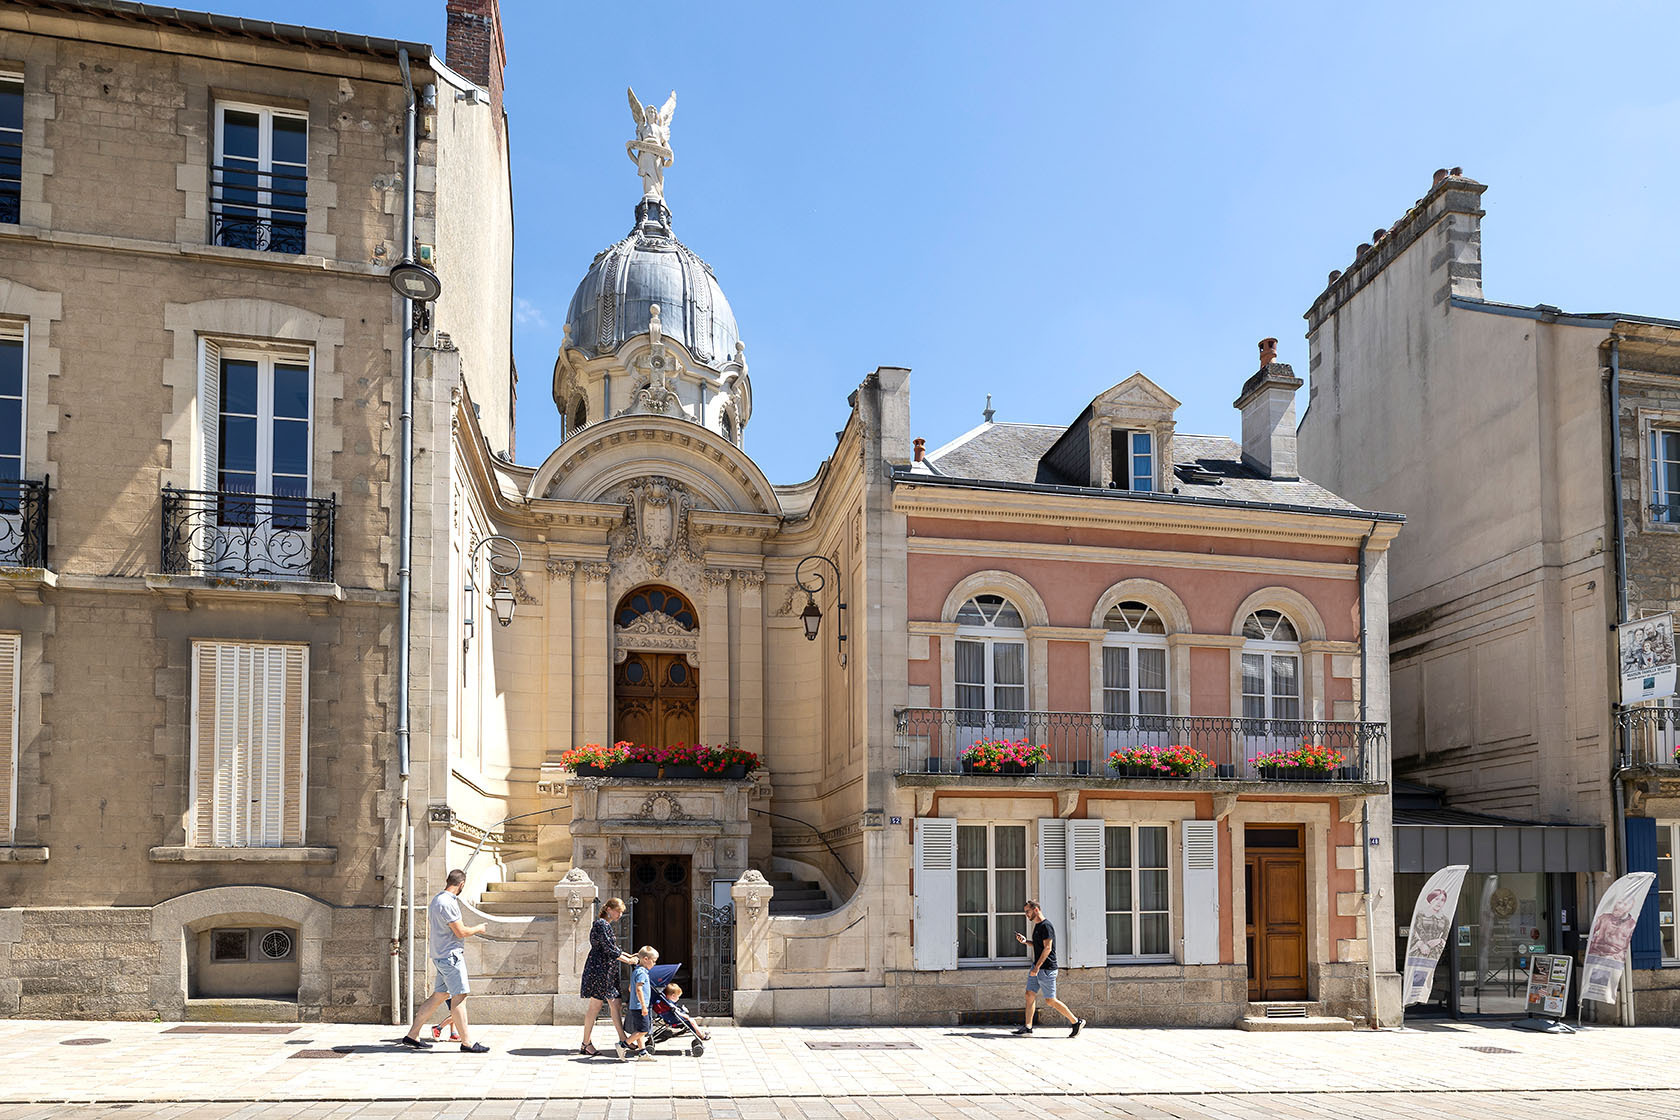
(641, 1003)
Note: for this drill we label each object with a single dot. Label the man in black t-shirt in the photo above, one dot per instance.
(1041, 973)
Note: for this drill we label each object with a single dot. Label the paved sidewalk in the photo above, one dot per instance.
(159, 1062)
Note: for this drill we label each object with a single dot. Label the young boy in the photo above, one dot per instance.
(641, 1004)
(672, 993)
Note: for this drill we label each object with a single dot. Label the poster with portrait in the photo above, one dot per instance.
(1647, 655)
(1432, 924)
(1612, 930)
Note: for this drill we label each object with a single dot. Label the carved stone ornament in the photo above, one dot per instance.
(656, 632)
(753, 877)
(661, 807)
(516, 583)
(562, 569)
(656, 529)
(595, 571)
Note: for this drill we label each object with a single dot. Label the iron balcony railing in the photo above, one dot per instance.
(1654, 734)
(264, 210)
(932, 741)
(1664, 514)
(248, 536)
(23, 523)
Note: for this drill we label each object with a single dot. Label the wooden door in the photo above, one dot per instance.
(657, 700)
(1275, 882)
(665, 910)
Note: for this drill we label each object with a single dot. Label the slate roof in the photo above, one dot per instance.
(1203, 466)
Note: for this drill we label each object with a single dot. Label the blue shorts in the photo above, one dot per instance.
(1043, 985)
(635, 1021)
(451, 973)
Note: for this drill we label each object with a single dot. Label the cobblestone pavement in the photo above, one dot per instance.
(318, 1070)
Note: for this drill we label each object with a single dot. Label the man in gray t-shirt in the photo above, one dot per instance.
(446, 935)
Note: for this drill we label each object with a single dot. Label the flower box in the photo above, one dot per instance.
(682, 770)
(1142, 772)
(1158, 762)
(1294, 773)
(626, 760)
(1003, 756)
(1001, 768)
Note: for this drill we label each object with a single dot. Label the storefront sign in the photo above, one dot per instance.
(1548, 985)
(1432, 923)
(1648, 667)
(1612, 930)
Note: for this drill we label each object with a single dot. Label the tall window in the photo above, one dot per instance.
(1134, 660)
(262, 438)
(11, 147)
(1668, 840)
(1271, 667)
(249, 744)
(11, 410)
(260, 181)
(1134, 460)
(1138, 889)
(1665, 476)
(991, 664)
(991, 891)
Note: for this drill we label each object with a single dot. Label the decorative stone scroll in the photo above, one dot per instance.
(655, 632)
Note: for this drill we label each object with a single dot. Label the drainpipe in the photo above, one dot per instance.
(1624, 734)
(1365, 804)
(405, 579)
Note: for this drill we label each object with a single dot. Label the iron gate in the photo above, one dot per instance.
(714, 971)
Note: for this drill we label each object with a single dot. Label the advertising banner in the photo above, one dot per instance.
(1548, 985)
(1432, 923)
(1612, 930)
(1647, 649)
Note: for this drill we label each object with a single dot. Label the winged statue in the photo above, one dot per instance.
(650, 151)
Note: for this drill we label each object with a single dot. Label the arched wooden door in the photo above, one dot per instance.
(656, 695)
(658, 700)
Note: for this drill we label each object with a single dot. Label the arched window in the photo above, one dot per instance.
(728, 426)
(1134, 662)
(657, 600)
(991, 665)
(1271, 667)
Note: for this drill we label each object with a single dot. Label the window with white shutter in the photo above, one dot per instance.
(1201, 891)
(1086, 942)
(10, 648)
(250, 741)
(936, 893)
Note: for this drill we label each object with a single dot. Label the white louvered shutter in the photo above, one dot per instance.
(296, 744)
(250, 744)
(10, 649)
(1201, 891)
(936, 893)
(209, 412)
(1052, 875)
(1085, 943)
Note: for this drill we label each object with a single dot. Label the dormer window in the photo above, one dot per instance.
(1134, 460)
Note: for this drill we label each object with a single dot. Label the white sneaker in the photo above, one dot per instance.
(643, 1056)
(622, 1051)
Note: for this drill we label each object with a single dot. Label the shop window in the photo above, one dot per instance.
(991, 891)
(1668, 840)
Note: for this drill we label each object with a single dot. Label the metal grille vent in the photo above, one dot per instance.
(1287, 1011)
(1490, 1050)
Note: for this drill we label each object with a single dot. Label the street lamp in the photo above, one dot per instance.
(501, 600)
(420, 286)
(811, 616)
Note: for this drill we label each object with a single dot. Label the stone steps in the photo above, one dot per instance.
(241, 1010)
(1290, 1015)
(797, 896)
(529, 894)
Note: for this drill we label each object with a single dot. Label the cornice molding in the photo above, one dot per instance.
(1141, 557)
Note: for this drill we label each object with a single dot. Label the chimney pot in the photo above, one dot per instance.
(1335, 275)
(1458, 173)
(921, 448)
(1365, 247)
(1377, 235)
(1268, 352)
(1440, 173)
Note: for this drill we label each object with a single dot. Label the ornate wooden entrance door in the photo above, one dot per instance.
(657, 700)
(1275, 881)
(665, 910)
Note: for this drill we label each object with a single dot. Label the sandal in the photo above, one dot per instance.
(588, 1050)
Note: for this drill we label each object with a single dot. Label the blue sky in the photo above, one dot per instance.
(1035, 200)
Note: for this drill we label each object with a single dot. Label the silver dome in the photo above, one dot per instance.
(650, 267)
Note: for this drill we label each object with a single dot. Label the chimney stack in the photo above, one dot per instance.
(1267, 403)
(474, 47)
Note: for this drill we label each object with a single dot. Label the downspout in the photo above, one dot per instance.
(401, 995)
(1365, 804)
(1624, 734)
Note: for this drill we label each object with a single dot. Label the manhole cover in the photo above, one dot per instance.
(319, 1053)
(83, 1041)
(1490, 1050)
(216, 1028)
(863, 1046)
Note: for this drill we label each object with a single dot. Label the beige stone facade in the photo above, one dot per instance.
(129, 846)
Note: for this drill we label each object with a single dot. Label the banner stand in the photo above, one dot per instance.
(1548, 994)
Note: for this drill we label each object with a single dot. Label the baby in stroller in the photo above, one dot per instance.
(669, 1018)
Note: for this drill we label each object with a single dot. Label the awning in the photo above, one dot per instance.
(1427, 840)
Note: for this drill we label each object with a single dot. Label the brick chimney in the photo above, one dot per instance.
(474, 47)
(1267, 403)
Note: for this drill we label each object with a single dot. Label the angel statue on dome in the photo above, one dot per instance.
(650, 151)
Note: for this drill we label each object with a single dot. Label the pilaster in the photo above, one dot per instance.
(714, 656)
(591, 657)
(750, 657)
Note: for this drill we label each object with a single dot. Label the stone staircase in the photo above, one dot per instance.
(528, 894)
(796, 896)
(1291, 1015)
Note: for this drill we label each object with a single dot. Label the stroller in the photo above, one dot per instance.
(668, 1020)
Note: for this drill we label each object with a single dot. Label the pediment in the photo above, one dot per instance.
(1136, 394)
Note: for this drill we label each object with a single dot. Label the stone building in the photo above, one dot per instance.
(1502, 433)
(200, 406)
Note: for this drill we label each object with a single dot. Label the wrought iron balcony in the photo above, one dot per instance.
(1664, 514)
(932, 740)
(263, 210)
(1654, 734)
(248, 536)
(23, 523)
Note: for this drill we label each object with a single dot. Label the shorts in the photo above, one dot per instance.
(635, 1021)
(451, 973)
(1044, 984)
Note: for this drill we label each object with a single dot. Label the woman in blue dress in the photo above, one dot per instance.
(600, 974)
